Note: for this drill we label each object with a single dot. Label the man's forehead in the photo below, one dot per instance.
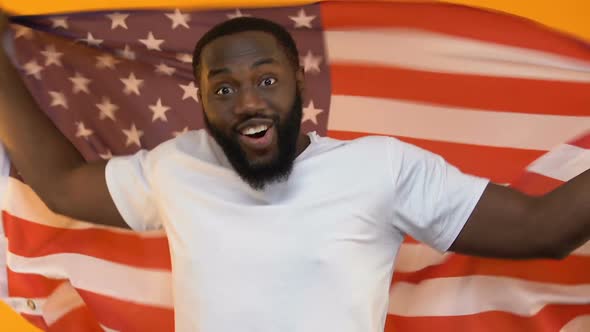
(241, 47)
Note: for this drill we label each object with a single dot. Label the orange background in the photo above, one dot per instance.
(570, 16)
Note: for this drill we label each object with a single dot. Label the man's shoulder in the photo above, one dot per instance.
(189, 141)
(359, 142)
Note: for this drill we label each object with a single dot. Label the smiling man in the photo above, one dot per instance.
(271, 229)
(251, 83)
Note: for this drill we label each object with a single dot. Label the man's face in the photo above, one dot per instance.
(252, 104)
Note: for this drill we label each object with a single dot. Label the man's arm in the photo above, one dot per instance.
(509, 224)
(47, 161)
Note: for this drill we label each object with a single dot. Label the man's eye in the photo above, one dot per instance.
(268, 81)
(224, 91)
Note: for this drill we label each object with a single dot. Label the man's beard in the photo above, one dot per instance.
(276, 170)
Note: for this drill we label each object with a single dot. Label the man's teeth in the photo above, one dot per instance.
(254, 129)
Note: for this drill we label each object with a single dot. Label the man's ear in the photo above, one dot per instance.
(300, 79)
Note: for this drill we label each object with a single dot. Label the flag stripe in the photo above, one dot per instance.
(502, 165)
(550, 319)
(533, 270)
(536, 184)
(30, 239)
(128, 315)
(73, 320)
(468, 91)
(453, 20)
(461, 125)
(63, 300)
(453, 296)
(425, 51)
(31, 285)
(562, 163)
(149, 286)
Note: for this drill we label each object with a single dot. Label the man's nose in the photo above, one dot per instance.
(249, 101)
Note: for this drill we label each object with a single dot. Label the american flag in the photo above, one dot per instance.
(492, 93)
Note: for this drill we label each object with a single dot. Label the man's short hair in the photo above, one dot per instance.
(243, 24)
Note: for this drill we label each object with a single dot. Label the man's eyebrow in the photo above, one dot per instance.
(217, 71)
(264, 61)
(225, 70)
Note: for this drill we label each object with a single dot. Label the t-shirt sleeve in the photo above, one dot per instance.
(432, 198)
(128, 181)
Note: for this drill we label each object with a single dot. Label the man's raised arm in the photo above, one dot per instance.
(509, 224)
(47, 161)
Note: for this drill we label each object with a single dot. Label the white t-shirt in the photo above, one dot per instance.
(312, 254)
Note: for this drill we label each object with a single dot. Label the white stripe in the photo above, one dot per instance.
(428, 51)
(4, 172)
(106, 329)
(453, 124)
(414, 257)
(476, 294)
(21, 305)
(578, 324)
(26, 204)
(62, 301)
(127, 283)
(562, 163)
(584, 250)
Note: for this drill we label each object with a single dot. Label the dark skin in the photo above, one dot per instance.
(505, 223)
(248, 74)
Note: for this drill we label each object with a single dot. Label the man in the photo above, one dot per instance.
(271, 229)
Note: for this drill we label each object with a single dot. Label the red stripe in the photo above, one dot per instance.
(30, 285)
(582, 142)
(128, 316)
(550, 319)
(455, 20)
(499, 94)
(573, 270)
(37, 321)
(502, 165)
(30, 239)
(536, 184)
(75, 321)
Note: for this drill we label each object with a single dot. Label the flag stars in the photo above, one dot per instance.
(310, 62)
(302, 20)
(190, 91)
(151, 42)
(59, 22)
(159, 111)
(236, 14)
(126, 53)
(311, 113)
(91, 41)
(133, 136)
(118, 20)
(164, 69)
(132, 84)
(23, 31)
(107, 155)
(58, 99)
(106, 61)
(179, 19)
(83, 131)
(107, 109)
(52, 56)
(32, 68)
(80, 83)
(184, 57)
